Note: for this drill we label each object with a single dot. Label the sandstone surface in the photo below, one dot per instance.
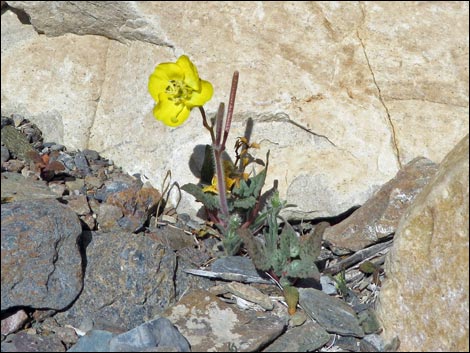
(342, 94)
(425, 299)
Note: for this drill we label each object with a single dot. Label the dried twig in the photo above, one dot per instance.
(228, 276)
(357, 257)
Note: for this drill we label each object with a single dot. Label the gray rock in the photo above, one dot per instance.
(305, 338)
(91, 155)
(235, 264)
(156, 333)
(117, 184)
(348, 343)
(41, 262)
(209, 324)
(5, 154)
(328, 285)
(333, 314)
(67, 160)
(128, 280)
(17, 187)
(372, 343)
(93, 341)
(82, 164)
(25, 342)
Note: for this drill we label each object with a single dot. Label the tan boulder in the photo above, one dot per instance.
(343, 94)
(425, 298)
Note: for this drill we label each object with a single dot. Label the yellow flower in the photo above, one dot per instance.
(231, 178)
(177, 88)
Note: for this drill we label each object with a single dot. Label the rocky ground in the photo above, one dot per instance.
(93, 261)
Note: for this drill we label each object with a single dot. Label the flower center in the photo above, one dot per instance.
(178, 92)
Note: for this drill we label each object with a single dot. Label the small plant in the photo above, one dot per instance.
(232, 197)
(284, 255)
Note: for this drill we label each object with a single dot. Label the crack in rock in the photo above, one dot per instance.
(387, 112)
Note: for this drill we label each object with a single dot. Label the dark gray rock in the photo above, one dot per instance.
(67, 160)
(128, 280)
(306, 338)
(82, 164)
(5, 154)
(24, 342)
(333, 314)
(156, 333)
(93, 341)
(117, 184)
(41, 262)
(235, 264)
(91, 155)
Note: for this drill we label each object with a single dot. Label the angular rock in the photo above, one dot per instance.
(235, 264)
(78, 203)
(15, 187)
(339, 123)
(136, 204)
(41, 261)
(93, 341)
(425, 297)
(16, 142)
(306, 338)
(14, 322)
(153, 334)
(379, 216)
(24, 342)
(209, 324)
(128, 280)
(333, 314)
(122, 22)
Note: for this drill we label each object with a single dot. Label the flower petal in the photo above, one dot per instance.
(159, 79)
(191, 76)
(199, 98)
(169, 113)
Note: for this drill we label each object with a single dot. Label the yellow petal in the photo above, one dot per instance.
(169, 113)
(198, 99)
(191, 76)
(161, 76)
(213, 187)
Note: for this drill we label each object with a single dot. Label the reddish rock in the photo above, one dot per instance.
(379, 216)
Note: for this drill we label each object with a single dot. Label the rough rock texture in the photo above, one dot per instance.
(210, 325)
(425, 299)
(41, 261)
(379, 216)
(343, 96)
(128, 280)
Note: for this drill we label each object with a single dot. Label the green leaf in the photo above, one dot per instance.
(208, 166)
(289, 241)
(245, 203)
(209, 200)
(303, 269)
